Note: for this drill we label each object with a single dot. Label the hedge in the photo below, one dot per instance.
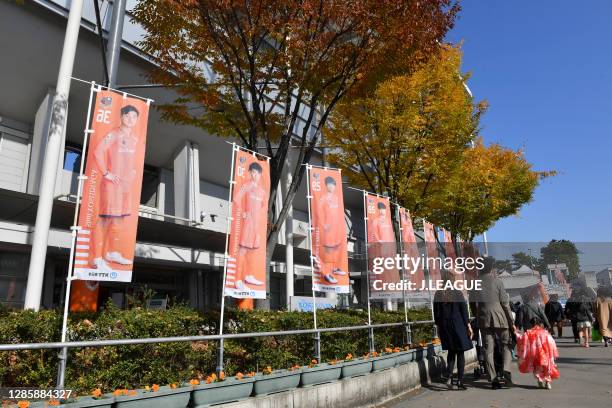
(135, 366)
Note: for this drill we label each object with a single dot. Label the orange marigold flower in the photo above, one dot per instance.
(53, 403)
(349, 356)
(239, 376)
(155, 387)
(23, 404)
(97, 393)
(173, 386)
(194, 382)
(132, 393)
(251, 374)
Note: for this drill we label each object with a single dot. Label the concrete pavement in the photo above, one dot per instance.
(586, 381)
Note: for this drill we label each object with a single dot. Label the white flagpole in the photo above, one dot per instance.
(230, 218)
(74, 228)
(314, 299)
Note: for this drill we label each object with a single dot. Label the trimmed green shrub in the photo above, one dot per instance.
(135, 366)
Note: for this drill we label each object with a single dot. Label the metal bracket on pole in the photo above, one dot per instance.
(408, 328)
(371, 339)
(220, 351)
(317, 346)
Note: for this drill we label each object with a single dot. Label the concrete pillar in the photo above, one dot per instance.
(187, 182)
(55, 144)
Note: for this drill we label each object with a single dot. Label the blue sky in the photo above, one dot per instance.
(546, 69)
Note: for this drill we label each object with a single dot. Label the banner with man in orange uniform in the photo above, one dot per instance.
(246, 262)
(108, 217)
(381, 245)
(329, 236)
(410, 248)
(431, 248)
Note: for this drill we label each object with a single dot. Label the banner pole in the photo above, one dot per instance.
(230, 218)
(365, 224)
(317, 338)
(63, 357)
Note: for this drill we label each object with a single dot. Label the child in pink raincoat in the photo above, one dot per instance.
(536, 352)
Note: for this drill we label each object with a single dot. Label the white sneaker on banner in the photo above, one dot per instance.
(250, 279)
(117, 258)
(339, 272)
(330, 279)
(101, 265)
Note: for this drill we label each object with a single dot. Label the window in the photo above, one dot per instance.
(150, 184)
(72, 159)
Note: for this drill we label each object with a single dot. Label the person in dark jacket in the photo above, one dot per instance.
(554, 313)
(530, 309)
(454, 330)
(494, 319)
(584, 319)
(570, 313)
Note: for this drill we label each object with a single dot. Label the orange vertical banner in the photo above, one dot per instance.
(381, 246)
(410, 247)
(431, 248)
(329, 237)
(108, 218)
(246, 263)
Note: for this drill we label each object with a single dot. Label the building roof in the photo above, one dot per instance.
(525, 270)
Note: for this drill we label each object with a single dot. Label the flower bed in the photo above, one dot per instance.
(320, 373)
(276, 381)
(356, 367)
(228, 390)
(164, 397)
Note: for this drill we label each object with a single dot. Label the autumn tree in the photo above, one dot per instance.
(491, 183)
(408, 137)
(269, 72)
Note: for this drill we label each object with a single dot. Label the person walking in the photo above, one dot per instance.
(494, 319)
(454, 330)
(531, 309)
(584, 319)
(554, 314)
(603, 310)
(537, 352)
(570, 313)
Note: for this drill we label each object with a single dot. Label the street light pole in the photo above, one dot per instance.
(114, 41)
(59, 116)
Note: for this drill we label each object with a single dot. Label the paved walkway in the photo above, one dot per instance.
(586, 381)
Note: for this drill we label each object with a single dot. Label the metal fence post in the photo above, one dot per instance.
(371, 339)
(317, 346)
(220, 357)
(61, 372)
(408, 328)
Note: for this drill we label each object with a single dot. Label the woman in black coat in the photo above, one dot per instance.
(454, 330)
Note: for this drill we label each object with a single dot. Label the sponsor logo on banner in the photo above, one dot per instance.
(381, 246)
(246, 263)
(329, 237)
(108, 217)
